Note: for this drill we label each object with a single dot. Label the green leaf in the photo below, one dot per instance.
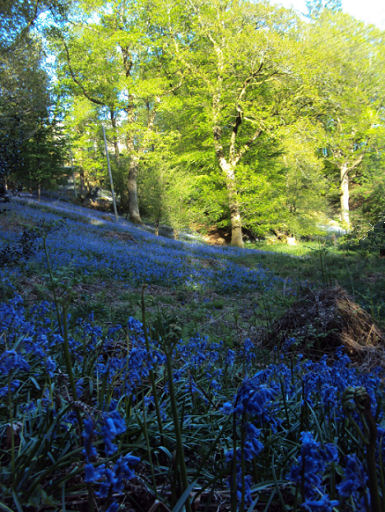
(180, 505)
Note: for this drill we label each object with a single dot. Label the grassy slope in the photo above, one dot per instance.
(105, 265)
(230, 311)
(188, 280)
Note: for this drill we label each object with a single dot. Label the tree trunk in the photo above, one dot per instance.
(236, 223)
(114, 135)
(82, 184)
(132, 187)
(235, 212)
(344, 198)
(74, 179)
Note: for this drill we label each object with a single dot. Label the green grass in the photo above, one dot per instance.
(300, 249)
(362, 274)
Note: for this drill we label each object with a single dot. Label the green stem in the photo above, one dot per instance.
(234, 467)
(212, 448)
(12, 431)
(148, 446)
(63, 326)
(53, 285)
(178, 433)
(67, 357)
(285, 403)
(382, 479)
(152, 375)
(281, 499)
(243, 461)
(371, 461)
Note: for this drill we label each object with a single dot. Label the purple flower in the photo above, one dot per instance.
(354, 477)
(256, 400)
(311, 465)
(230, 357)
(50, 366)
(112, 479)
(112, 427)
(227, 408)
(92, 473)
(324, 504)
(13, 387)
(88, 434)
(79, 386)
(253, 445)
(10, 360)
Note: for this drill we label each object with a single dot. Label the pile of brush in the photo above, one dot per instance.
(322, 320)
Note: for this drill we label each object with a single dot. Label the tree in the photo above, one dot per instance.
(82, 129)
(219, 94)
(17, 17)
(237, 59)
(347, 74)
(110, 62)
(43, 156)
(303, 203)
(29, 141)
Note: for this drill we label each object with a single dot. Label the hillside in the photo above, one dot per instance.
(140, 373)
(104, 260)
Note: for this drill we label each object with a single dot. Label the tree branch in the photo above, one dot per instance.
(248, 145)
(239, 109)
(127, 61)
(357, 162)
(77, 81)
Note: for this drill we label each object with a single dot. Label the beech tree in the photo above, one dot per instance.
(237, 103)
(346, 70)
(237, 57)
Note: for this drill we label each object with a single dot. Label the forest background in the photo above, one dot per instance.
(224, 115)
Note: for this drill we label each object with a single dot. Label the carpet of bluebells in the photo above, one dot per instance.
(84, 243)
(132, 417)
